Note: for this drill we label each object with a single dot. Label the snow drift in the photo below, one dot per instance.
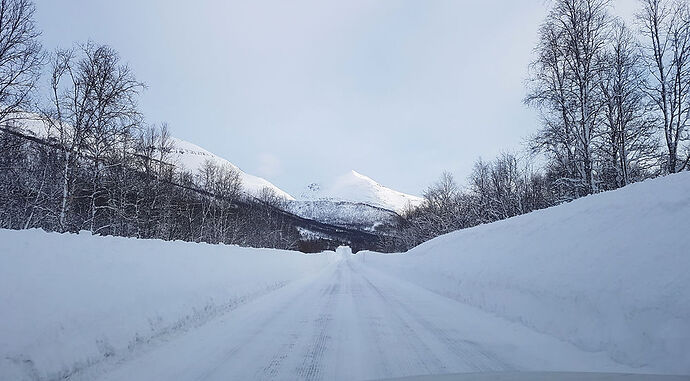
(608, 273)
(68, 301)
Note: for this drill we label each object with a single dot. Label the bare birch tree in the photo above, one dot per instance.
(628, 148)
(665, 26)
(93, 107)
(564, 86)
(21, 56)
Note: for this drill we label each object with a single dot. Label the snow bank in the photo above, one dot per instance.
(67, 301)
(609, 272)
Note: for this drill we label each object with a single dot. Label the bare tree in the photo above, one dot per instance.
(442, 209)
(443, 192)
(550, 90)
(93, 108)
(666, 27)
(21, 56)
(164, 147)
(629, 143)
(564, 85)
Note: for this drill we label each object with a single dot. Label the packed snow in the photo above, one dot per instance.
(357, 188)
(598, 285)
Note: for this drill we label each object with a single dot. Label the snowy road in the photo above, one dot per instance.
(348, 322)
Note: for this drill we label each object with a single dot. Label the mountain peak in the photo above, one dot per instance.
(357, 174)
(356, 187)
(362, 177)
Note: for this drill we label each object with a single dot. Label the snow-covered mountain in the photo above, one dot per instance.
(355, 187)
(352, 200)
(192, 158)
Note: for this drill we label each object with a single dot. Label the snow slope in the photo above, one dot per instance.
(357, 188)
(69, 301)
(192, 158)
(186, 156)
(351, 187)
(607, 273)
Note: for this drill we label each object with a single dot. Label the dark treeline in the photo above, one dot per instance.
(96, 165)
(614, 102)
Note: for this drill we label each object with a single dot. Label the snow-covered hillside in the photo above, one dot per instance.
(607, 273)
(352, 187)
(192, 158)
(357, 188)
(186, 156)
(345, 214)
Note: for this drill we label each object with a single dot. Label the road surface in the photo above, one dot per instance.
(348, 322)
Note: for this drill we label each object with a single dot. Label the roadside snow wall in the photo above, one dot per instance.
(68, 301)
(608, 272)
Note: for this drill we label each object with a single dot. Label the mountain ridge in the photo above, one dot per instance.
(352, 187)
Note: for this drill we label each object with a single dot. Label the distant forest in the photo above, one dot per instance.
(614, 102)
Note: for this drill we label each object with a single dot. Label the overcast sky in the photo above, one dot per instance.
(300, 91)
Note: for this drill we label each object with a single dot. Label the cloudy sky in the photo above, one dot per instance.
(301, 91)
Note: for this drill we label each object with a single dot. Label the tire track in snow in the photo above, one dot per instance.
(344, 323)
(296, 304)
(424, 360)
(372, 327)
(232, 351)
(473, 357)
(311, 367)
(271, 370)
